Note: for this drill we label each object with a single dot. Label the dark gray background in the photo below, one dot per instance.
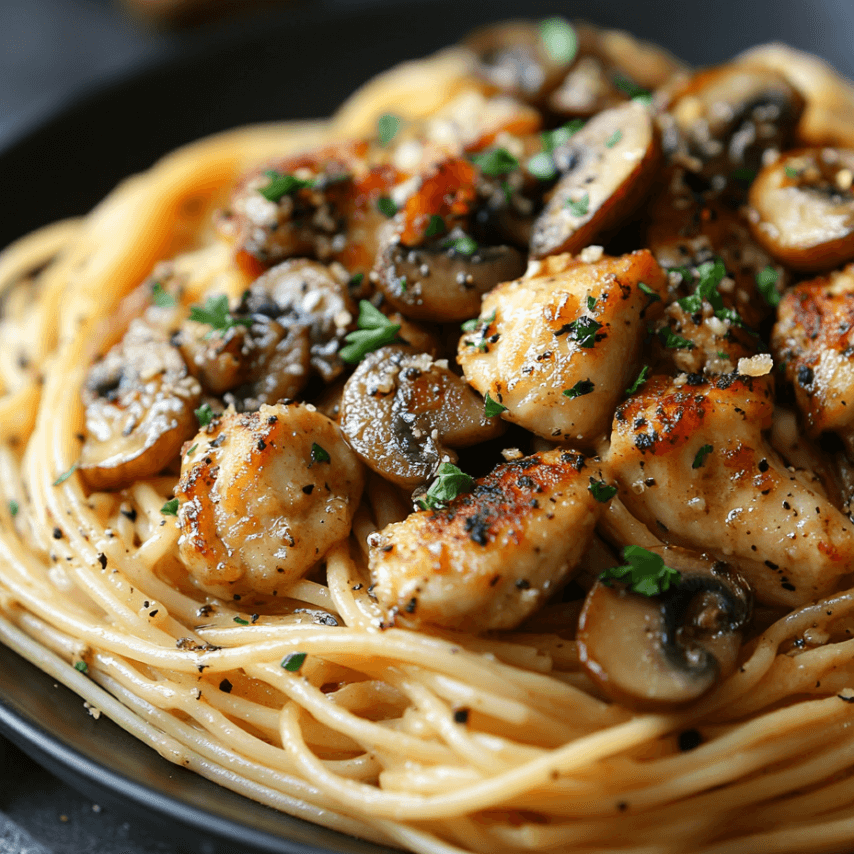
(58, 56)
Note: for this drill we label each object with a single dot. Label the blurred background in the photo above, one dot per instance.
(91, 90)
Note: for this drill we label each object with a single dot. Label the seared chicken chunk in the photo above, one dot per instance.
(694, 466)
(263, 496)
(492, 556)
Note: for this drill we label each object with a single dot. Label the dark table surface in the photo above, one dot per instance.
(54, 51)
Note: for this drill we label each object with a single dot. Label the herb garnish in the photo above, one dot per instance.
(579, 207)
(318, 454)
(498, 161)
(81, 666)
(14, 507)
(673, 341)
(601, 491)
(584, 331)
(766, 284)
(553, 139)
(559, 39)
(215, 314)
(192, 450)
(475, 322)
(464, 245)
(581, 388)
(711, 274)
(791, 172)
(241, 622)
(387, 127)
(542, 166)
(641, 379)
(492, 407)
(65, 475)
(591, 303)
(160, 297)
(645, 573)
(701, 456)
(205, 414)
(293, 661)
(644, 288)
(630, 88)
(450, 482)
(282, 184)
(170, 508)
(435, 226)
(614, 138)
(386, 206)
(375, 330)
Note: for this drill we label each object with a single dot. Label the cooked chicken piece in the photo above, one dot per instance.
(559, 346)
(814, 339)
(140, 406)
(263, 496)
(694, 465)
(492, 556)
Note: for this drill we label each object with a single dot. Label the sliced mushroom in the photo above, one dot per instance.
(724, 118)
(666, 650)
(438, 281)
(606, 169)
(802, 208)
(140, 406)
(400, 410)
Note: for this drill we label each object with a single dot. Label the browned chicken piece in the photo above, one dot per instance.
(492, 556)
(140, 406)
(559, 346)
(802, 208)
(263, 495)
(694, 465)
(814, 339)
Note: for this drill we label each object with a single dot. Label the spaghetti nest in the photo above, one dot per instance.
(245, 583)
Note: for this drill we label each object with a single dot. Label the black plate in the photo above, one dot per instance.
(298, 64)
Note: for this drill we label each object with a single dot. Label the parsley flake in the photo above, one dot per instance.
(645, 573)
(170, 508)
(579, 207)
(318, 454)
(435, 226)
(450, 482)
(584, 331)
(356, 279)
(293, 661)
(791, 172)
(464, 245)
(559, 39)
(192, 450)
(601, 491)
(701, 456)
(542, 166)
(215, 313)
(160, 297)
(81, 666)
(492, 407)
(388, 125)
(673, 341)
(498, 161)
(282, 185)
(614, 138)
(766, 284)
(475, 322)
(630, 88)
(205, 414)
(386, 206)
(743, 174)
(14, 507)
(241, 622)
(375, 330)
(591, 303)
(581, 388)
(65, 475)
(642, 377)
(644, 288)
(553, 139)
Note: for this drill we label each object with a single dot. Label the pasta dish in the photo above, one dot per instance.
(472, 471)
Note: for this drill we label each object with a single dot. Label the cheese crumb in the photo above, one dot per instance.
(756, 366)
(591, 254)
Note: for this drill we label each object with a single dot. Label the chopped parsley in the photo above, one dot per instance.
(475, 322)
(464, 245)
(205, 414)
(318, 454)
(581, 388)
(241, 622)
(450, 482)
(791, 172)
(160, 297)
(65, 475)
(386, 206)
(645, 573)
(766, 284)
(701, 456)
(435, 226)
(542, 166)
(375, 330)
(644, 288)
(642, 377)
(356, 279)
(630, 88)
(584, 331)
(601, 491)
(673, 341)
(215, 313)
(170, 508)
(387, 127)
(492, 407)
(711, 274)
(579, 207)
(743, 174)
(81, 666)
(591, 303)
(553, 139)
(722, 355)
(293, 661)
(14, 507)
(559, 39)
(614, 138)
(282, 184)
(498, 161)
(192, 450)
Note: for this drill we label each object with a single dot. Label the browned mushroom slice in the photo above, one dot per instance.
(725, 118)
(400, 410)
(442, 282)
(139, 409)
(606, 169)
(802, 208)
(665, 650)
